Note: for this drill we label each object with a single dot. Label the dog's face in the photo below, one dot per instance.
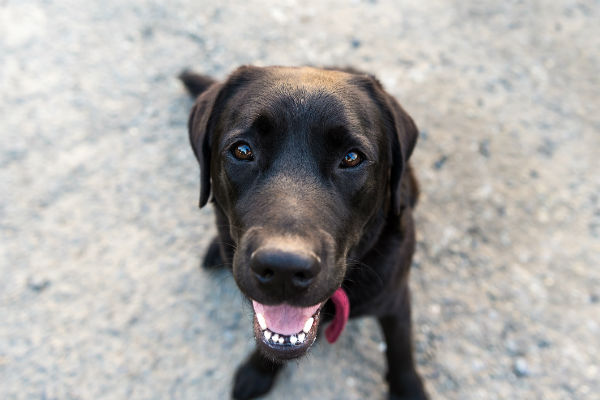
(302, 162)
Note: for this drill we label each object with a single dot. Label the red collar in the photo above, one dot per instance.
(342, 312)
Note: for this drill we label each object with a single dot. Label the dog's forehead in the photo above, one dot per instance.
(308, 79)
(324, 97)
(305, 85)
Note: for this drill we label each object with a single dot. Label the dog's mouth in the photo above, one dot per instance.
(285, 331)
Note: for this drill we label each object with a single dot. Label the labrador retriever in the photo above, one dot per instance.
(308, 173)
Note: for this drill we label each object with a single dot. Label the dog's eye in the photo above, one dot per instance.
(242, 151)
(352, 159)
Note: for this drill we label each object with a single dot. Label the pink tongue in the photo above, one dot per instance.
(285, 319)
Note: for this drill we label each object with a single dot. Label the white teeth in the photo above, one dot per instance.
(261, 321)
(308, 324)
(276, 338)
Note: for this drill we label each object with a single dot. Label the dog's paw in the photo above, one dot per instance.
(249, 382)
(409, 397)
(212, 258)
(407, 387)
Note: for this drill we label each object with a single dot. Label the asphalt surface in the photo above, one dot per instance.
(101, 296)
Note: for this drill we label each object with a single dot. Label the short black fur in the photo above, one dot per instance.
(356, 222)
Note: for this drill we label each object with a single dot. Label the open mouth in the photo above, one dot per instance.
(285, 331)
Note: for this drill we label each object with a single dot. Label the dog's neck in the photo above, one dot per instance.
(387, 237)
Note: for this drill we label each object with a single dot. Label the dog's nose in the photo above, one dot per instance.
(284, 271)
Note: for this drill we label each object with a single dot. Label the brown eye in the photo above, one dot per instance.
(242, 151)
(352, 159)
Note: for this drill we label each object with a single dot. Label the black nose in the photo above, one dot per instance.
(284, 272)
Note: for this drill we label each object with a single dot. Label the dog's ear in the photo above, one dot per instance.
(203, 117)
(403, 136)
(199, 130)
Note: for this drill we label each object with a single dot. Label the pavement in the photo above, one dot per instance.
(101, 295)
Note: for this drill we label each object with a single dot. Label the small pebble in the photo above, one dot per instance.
(520, 368)
(38, 285)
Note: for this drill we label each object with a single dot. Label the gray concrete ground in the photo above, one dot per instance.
(101, 296)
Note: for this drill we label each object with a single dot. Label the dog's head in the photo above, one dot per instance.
(302, 162)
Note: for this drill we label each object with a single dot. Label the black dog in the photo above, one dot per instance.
(312, 191)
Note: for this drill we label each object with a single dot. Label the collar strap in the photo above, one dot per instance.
(342, 312)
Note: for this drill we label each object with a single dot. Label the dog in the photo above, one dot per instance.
(308, 172)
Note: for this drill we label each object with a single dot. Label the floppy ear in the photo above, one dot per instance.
(403, 135)
(200, 129)
(201, 124)
(404, 139)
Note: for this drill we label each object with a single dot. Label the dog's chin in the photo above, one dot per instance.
(285, 332)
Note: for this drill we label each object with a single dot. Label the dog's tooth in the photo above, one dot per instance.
(275, 338)
(267, 334)
(280, 340)
(293, 339)
(261, 321)
(308, 324)
(301, 337)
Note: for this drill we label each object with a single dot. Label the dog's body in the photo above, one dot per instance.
(312, 191)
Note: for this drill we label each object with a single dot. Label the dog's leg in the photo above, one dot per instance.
(254, 377)
(402, 376)
(213, 258)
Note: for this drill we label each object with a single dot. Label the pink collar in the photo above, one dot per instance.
(342, 312)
